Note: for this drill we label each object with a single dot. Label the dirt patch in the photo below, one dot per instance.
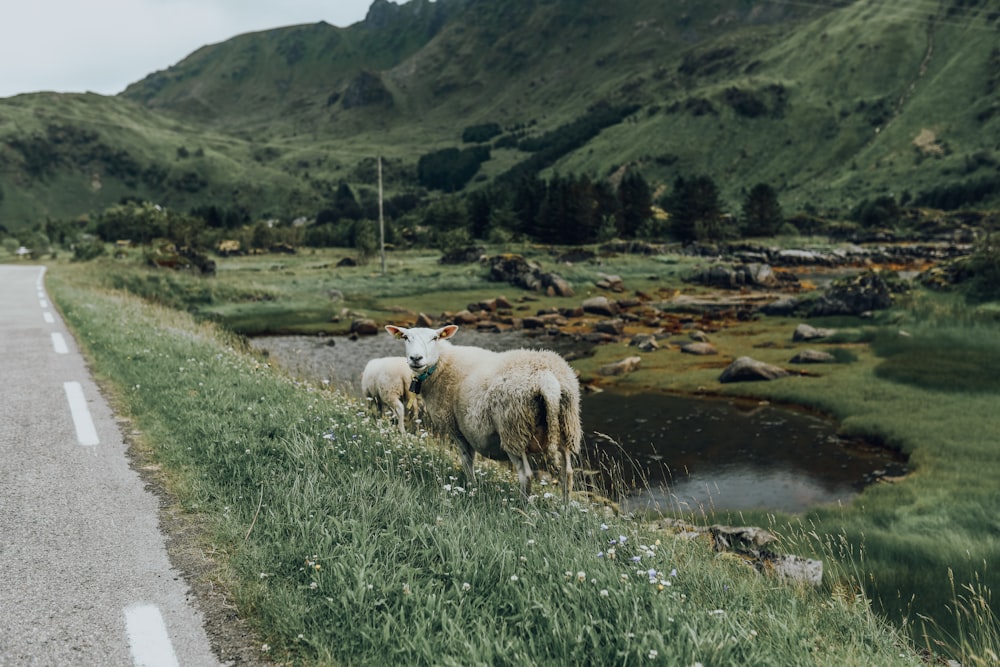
(927, 143)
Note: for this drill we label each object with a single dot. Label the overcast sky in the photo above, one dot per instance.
(101, 46)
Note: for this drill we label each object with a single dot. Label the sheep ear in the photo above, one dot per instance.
(448, 331)
(395, 331)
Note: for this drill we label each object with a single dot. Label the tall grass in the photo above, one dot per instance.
(344, 542)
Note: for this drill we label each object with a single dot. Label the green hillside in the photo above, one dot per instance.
(830, 103)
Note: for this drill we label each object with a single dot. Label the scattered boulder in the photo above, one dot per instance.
(795, 568)
(464, 316)
(600, 305)
(754, 545)
(574, 311)
(781, 307)
(645, 342)
(614, 327)
(622, 367)
(629, 302)
(701, 349)
(812, 357)
(746, 369)
(613, 283)
(556, 285)
(516, 270)
(698, 335)
(854, 295)
(364, 327)
(805, 332)
(732, 277)
(739, 538)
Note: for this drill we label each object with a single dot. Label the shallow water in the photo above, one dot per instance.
(667, 452)
(701, 455)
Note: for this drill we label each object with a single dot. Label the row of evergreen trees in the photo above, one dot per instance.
(570, 210)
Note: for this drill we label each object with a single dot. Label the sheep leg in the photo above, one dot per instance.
(468, 458)
(566, 476)
(523, 472)
(398, 411)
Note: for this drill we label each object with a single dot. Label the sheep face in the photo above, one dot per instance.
(421, 344)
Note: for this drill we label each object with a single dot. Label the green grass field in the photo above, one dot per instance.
(920, 549)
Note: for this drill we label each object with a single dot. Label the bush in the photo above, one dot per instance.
(88, 250)
(879, 212)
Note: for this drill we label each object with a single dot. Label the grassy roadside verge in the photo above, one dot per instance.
(342, 542)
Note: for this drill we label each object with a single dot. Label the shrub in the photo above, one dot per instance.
(87, 250)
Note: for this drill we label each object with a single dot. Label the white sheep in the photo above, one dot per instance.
(502, 405)
(386, 383)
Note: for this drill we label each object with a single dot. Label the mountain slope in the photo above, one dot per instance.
(831, 103)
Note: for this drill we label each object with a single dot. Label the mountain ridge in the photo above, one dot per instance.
(830, 103)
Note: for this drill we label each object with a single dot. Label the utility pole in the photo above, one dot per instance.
(381, 220)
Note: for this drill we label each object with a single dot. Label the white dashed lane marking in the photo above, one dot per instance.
(49, 319)
(86, 434)
(148, 638)
(59, 343)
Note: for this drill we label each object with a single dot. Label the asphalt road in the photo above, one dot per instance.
(84, 574)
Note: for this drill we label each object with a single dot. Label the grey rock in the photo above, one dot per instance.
(806, 332)
(747, 369)
(702, 349)
(812, 357)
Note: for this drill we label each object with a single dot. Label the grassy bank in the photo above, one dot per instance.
(343, 542)
(926, 382)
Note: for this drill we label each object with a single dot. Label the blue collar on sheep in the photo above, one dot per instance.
(419, 379)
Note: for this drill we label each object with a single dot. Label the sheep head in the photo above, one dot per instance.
(421, 344)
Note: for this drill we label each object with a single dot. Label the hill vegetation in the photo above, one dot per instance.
(831, 105)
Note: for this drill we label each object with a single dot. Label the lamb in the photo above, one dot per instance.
(386, 382)
(502, 405)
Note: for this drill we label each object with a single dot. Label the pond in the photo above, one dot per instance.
(686, 454)
(658, 451)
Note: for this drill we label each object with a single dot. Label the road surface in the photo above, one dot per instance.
(84, 574)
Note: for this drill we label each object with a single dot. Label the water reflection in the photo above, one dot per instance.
(692, 454)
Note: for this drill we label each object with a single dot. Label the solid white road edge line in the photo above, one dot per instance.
(147, 637)
(59, 343)
(86, 434)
